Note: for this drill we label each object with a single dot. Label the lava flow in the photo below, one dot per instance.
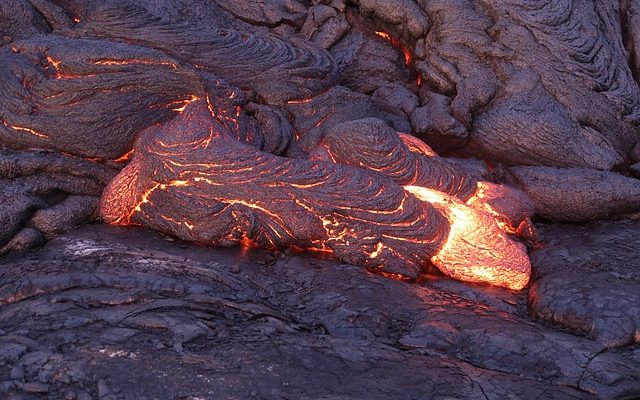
(372, 144)
(477, 249)
(191, 178)
(406, 52)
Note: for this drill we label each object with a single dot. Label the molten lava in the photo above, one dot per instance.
(477, 249)
(408, 57)
(192, 178)
(410, 162)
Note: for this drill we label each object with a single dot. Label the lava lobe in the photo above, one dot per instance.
(192, 178)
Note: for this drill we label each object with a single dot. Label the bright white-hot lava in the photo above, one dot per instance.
(477, 248)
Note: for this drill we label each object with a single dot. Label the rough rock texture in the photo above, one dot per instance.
(80, 315)
(586, 280)
(534, 83)
(223, 192)
(43, 194)
(577, 194)
(548, 87)
(367, 62)
(632, 34)
(57, 92)
(18, 19)
(404, 17)
(371, 144)
(273, 67)
(504, 81)
(314, 116)
(509, 81)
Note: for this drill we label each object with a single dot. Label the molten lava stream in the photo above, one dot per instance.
(477, 248)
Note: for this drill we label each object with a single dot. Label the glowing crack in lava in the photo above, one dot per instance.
(190, 178)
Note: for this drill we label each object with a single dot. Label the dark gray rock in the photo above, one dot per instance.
(405, 17)
(577, 194)
(569, 100)
(286, 325)
(367, 62)
(585, 278)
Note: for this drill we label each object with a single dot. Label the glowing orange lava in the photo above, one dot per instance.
(136, 61)
(477, 249)
(125, 157)
(25, 129)
(513, 215)
(180, 105)
(192, 179)
(408, 57)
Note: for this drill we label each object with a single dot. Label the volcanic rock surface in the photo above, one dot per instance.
(107, 311)
(538, 102)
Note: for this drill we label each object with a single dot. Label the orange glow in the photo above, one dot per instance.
(487, 193)
(210, 106)
(180, 105)
(167, 218)
(416, 145)
(477, 249)
(384, 35)
(377, 251)
(408, 57)
(323, 119)
(397, 277)
(25, 129)
(55, 63)
(136, 61)
(60, 75)
(303, 101)
(125, 157)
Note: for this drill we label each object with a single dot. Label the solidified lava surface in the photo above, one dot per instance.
(345, 148)
(110, 312)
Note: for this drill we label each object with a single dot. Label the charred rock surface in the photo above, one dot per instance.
(78, 316)
(367, 62)
(508, 81)
(524, 78)
(43, 194)
(273, 67)
(585, 279)
(372, 144)
(577, 194)
(57, 90)
(314, 116)
(18, 20)
(631, 31)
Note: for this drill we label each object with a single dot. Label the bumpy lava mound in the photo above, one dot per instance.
(56, 90)
(192, 179)
(370, 143)
(276, 69)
